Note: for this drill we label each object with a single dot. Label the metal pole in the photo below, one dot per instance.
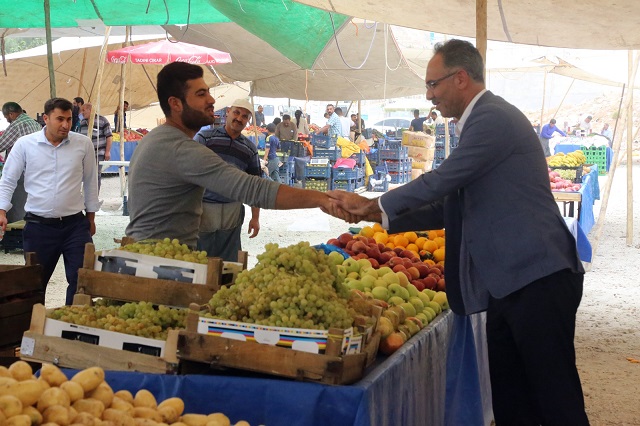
(47, 26)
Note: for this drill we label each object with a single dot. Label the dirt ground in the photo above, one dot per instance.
(607, 334)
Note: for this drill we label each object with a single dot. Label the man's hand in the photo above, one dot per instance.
(107, 156)
(357, 206)
(3, 220)
(254, 227)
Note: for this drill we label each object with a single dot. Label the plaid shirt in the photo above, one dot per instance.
(21, 126)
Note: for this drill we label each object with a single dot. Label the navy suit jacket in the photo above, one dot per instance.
(492, 195)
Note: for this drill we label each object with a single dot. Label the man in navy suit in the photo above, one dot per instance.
(508, 250)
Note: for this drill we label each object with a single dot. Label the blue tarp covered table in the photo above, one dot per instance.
(406, 388)
(129, 147)
(590, 191)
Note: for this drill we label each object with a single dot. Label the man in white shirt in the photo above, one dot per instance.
(607, 133)
(345, 124)
(585, 126)
(61, 180)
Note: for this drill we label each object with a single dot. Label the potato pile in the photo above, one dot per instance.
(86, 400)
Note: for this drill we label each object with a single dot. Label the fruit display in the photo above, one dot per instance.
(142, 131)
(558, 183)
(295, 287)
(167, 248)
(572, 159)
(87, 399)
(136, 318)
(129, 136)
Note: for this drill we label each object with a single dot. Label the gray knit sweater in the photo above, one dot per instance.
(167, 177)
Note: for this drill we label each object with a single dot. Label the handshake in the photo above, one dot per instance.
(351, 207)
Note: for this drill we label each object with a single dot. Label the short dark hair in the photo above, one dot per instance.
(298, 113)
(462, 54)
(10, 107)
(337, 110)
(434, 113)
(172, 81)
(126, 102)
(79, 100)
(416, 111)
(271, 127)
(59, 103)
(552, 121)
(277, 120)
(286, 117)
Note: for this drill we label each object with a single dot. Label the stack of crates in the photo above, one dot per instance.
(286, 171)
(347, 179)
(396, 158)
(597, 156)
(323, 141)
(378, 182)
(317, 175)
(440, 152)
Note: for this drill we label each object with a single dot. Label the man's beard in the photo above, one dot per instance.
(193, 119)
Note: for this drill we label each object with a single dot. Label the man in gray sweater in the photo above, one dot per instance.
(169, 170)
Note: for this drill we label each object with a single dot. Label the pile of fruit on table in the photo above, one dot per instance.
(129, 135)
(565, 169)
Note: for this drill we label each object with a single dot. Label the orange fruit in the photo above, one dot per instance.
(390, 245)
(411, 236)
(430, 246)
(400, 240)
(439, 241)
(381, 237)
(378, 228)
(440, 232)
(413, 247)
(441, 263)
(420, 241)
(432, 235)
(367, 231)
(438, 255)
(429, 262)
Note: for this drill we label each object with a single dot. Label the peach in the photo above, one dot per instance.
(384, 257)
(423, 269)
(361, 256)
(335, 242)
(418, 284)
(359, 247)
(399, 268)
(395, 261)
(392, 343)
(345, 238)
(408, 254)
(441, 286)
(374, 263)
(436, 271)
(398, 251)
(430, 282)
(415, 274)
(349, 244)
(407, 263)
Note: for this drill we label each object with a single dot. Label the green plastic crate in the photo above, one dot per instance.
(597, 156)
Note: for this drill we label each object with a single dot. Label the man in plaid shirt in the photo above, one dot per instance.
(20, 124)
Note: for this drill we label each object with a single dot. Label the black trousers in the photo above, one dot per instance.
(532, 361)
(49, 241)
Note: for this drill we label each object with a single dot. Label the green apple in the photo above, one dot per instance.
(385, 326)
(424, 297)
(413, 291)
(384, 270)
(353, 275)
(441, 298)
(369, 271)
(428, 311)
(354, 283)
(336, 258)
(409, 309)
(395, 300)
(423, 317)
(413, 327)
(381, 283)
(392, 316)
(380, 293)
(429, 293)
(417, 303)
(435, 306)
(402, 279)
(351, 264)
(364, 263)
(391, 278)
(398, 290)
(368, 281)
(368, 294)
(342, 272)
(405, 329)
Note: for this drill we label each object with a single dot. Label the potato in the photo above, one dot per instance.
(125, 395)
(122, 405)
(102, 393)
(2, 417)
(27, 391)
(52, 375)
(19, 420)
(168, 414)
(178, 424)
(175, 402)
(21, 370)
(194, 419)
(141, 421)
(92, 406)
(242, 423)
(10, 405)
(7, 380)
(219, 419)
(147, 413)
(4, 372)
(89, 378)
(53, 396)
(73, 389)
(144, 398)
(86, 419)
(42, 382)
(56, 414)
(119, 418)
(34, 414)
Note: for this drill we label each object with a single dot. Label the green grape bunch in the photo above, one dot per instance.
(136, 318)
(294, 287)
(167, 248)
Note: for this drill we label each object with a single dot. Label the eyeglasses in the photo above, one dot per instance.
(431, 84)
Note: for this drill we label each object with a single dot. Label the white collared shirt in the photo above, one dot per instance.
(59, 180)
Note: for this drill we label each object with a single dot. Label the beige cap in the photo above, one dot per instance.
(243, 103)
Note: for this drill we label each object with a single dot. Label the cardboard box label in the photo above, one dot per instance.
(419, 139)
(420, 153)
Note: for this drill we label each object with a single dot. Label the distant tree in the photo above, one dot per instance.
(18, 44)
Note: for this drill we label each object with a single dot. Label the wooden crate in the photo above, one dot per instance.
(92, 283)
(21, 287)
(213, 352)
(38, 347)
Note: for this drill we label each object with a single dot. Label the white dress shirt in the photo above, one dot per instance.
(54, 176)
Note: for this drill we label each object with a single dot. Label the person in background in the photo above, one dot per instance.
(333, 126)
(60, 178)
(416, 123)
(169, 171)
(511, 256)
(286, 131)
(585, 125)
(354, 126)
(76, 114)
(345, 124)
(547, 133)
(301, 123)
(277, 121)
(222, 218)
(116, 117)
(434, 118)
(259, 115)
(272, 144)
(607, 133)
(101, 136)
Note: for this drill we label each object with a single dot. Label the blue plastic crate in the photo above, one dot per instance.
(394, 154)
(323, 141)
(317, 184)
(347, 185)
(440, 129)
(436, 163)
(347, 174)
(331, 153)
(381, 187)
(395, 166)
(373, 156)
(317, 171)
(399, 177)
(391, 144)
(360, 158)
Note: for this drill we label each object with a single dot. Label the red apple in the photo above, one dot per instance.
(345, 238)
(359, 247)
(408, 254)
(361, 256)
(441, 286)
(423, 269)
(335, 242)
(399, 268)
(433, 270)
(430, 282)
(374, 263)
(418, 284)
(349, 245)
(385, 257)
(407, 263)
(395, 261)
(373, 252)
(415, 274)
(398, 251)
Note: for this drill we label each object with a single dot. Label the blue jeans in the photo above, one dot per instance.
(48, 242)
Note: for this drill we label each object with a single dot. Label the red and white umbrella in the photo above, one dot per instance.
(165, 52)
